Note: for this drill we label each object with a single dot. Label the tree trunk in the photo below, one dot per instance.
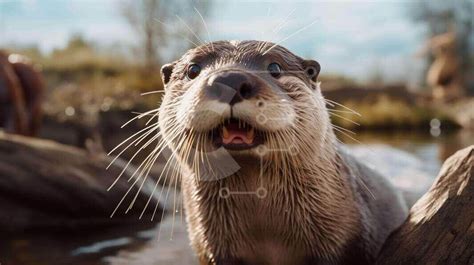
(44, 185)
(440, 227)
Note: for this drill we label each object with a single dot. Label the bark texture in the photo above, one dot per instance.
(440, 227)
(44, 185)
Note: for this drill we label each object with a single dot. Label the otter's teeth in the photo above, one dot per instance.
(250, 134)
(225, 132)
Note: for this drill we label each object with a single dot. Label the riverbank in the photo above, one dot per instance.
(395, 108)
(411, 160)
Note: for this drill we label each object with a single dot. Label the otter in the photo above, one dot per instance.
(264, 179)
(21, 91)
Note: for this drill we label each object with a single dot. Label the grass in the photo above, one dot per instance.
(89, 80)
(385, 113)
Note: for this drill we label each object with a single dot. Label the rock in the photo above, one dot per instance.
(44, 185)
(440, 227)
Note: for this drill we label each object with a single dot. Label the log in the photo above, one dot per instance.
(47, 185)
(440, 226)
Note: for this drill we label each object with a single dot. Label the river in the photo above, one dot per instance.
(410, 159)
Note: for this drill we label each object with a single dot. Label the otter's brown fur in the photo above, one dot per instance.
(21, 90)
(318, 206)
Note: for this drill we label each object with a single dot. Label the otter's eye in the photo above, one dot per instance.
(274, 69)
(193, 71)
(311, 71)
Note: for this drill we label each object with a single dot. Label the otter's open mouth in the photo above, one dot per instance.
(235, 134)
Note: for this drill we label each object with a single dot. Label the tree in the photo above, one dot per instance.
(160, 24)
(444, 16)
(439, 229)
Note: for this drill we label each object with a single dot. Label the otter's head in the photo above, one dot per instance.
(242, 97)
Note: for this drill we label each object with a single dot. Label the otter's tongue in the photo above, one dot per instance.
(233, 134)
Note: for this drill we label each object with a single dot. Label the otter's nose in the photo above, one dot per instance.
(232, 87)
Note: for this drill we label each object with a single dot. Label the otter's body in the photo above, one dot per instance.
(295, 224)
(264, 181)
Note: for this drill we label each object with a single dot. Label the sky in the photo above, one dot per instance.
(354, 38)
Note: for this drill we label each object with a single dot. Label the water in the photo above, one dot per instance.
(410, 159)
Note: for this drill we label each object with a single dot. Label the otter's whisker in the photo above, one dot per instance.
(181, 207)
(195, 138)
(130, 137)
(146, 168)
(190, 30)
(291, 35)
(262, 32)
(346, 134)
(366, 187)
(281, 26)
(132, 185)
(264, 46)
(198, 156)
(175, 170)
(142, 113)
(151, 118)
(205, 27)
(181, 35)
(285, 20)
(124, 169)
(152, 92)
(139, 139)
(139, 116)
(165, 169)
(342, 106)
(338, 140)
(158, 180)
(205, 159)
(156, 184)
(143, 164)
(202, 155)
(339, 111)
(174, 197)
(152, 139)
(123, 198)
(358, 178)
(166, 177)
(344, 129)
(163, 213)
(344, 118)
(160, 148)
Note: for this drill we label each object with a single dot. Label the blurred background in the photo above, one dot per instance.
(72, 72)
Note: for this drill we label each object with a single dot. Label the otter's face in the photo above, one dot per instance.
(237, 97)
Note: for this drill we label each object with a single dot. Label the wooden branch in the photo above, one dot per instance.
(44, 184)
(440, 227)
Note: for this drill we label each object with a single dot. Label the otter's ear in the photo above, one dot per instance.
(312, 69)
(166, 71)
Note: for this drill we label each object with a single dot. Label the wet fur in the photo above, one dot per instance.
(318, 208)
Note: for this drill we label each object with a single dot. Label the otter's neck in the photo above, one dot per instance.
(308, 190)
